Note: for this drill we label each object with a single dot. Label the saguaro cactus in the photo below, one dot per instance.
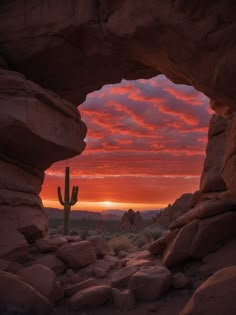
(68, 202)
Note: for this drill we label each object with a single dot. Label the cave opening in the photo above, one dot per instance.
(146, 144)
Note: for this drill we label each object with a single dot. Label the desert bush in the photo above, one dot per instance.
(141, 240)
(153, 232)
(119, 243)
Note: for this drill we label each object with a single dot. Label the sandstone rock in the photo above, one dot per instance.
(140, 263)
(131, 221)
(72, 289)
(43, 280)
(123, 300)
(52, 262)
(211, 179)
(121, 277)
(224, 256)
(212, 232)
(112, 261)
(122, 254)
(9, 266)
(180, 281)
(215, 296)
(91, 297)
(150, 283)
(229, 168)
(211, 208)
(100, 245)
(144, 254)
(172, 212)
(179, 249)
(51, 244)
(15, 292)
(103, 59)
(159, 246)
(182, 220)
(13, 245)
(73, 238)
(77, 255)
(24, 141)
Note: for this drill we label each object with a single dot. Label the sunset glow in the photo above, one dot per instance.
(145, 146)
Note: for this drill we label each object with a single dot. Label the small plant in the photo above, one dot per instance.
(153, 232)
(67, 202)
(119, 243)
(84, 230)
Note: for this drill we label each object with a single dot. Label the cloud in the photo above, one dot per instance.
(146, 142)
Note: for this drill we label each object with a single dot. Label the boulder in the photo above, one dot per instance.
(179, 250)
(210, 208)
(50, 244)
(24, 141)
(229, 163)
(150, 283)
(172, 212)
(212, 232)
(182, 220)
(121, 277)
(224, 256)
(140, 263)
(100, 245)
(13, 245)
(52, 262)
(159, 246)
(180, 281)
(10, 266)
(91, 297)
(215, 296)
(123, 300)
(211, 178)
(15, 292)
(77, 255)
(72, 289)
(43, 280)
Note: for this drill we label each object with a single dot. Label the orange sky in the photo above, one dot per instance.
(145, 146)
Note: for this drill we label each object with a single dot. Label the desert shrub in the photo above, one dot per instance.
(153, 232)
(141, 240)
(119, 243)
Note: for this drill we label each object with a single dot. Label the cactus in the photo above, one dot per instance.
(68, 202)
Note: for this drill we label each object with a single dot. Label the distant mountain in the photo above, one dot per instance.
(110, 214)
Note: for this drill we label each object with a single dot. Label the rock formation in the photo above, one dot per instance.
(131, 221)
(211, 179)
(181, 205)
(34, 133)
(75, 47)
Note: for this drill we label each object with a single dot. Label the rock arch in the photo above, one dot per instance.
(75, 47)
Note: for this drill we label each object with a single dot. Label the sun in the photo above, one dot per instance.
(107, 203)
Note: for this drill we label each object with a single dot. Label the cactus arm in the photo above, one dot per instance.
(60, 196)
(74, 195)
(67, 185)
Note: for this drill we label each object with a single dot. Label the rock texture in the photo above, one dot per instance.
(131, 221)
(77, 255)
(29, 146)
(229, 163)
(98, 43)
(211, 179)
(150, 283)
(15, 292)
(214, 296)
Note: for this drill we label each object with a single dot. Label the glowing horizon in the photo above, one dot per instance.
(145, 146)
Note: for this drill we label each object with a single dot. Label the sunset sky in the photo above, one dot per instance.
(145, 146)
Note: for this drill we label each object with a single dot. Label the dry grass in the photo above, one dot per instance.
(119, 243)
